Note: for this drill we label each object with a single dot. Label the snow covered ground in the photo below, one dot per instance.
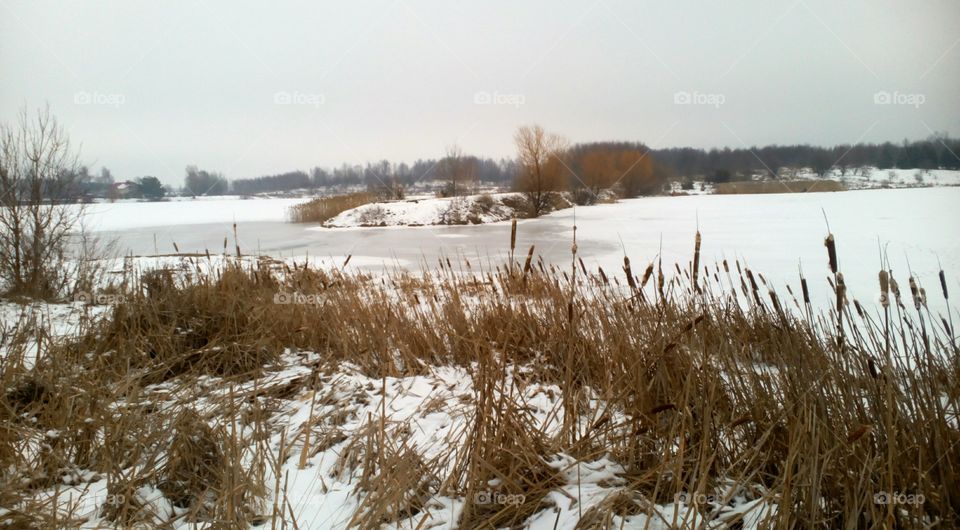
(473, 209)
(323, 490)
(126, 215)
(872, 178)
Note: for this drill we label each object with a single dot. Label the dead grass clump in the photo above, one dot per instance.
(618, 505)
(192, 472)
(396, 483)
(779, 186)
(323, 209)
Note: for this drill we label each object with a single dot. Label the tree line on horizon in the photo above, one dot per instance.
(586, 167)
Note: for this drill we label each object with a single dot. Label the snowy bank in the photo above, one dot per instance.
(472, 209)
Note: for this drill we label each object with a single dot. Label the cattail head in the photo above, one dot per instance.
(943, 285)
(696, 259)
(841, 292)
(915, 293)
(884, 289)
(831, 252)
(646, 274)
(513, 235)
(629, 273)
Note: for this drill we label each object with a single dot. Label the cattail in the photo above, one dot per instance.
(696, 259)
(582, 266)
(513, 236)
(346, 261)
(628, 271)
(915, 294)
(831, 252)
(806, 291)
(603, 276)
(841, 292)
(646, 275)
(884, 289)
(526, 266)
(943, 285)
(895, 287)
(660, 280)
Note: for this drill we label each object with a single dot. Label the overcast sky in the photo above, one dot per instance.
(249, 88)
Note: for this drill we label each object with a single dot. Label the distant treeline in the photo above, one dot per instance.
(937, 152)
(631, 165)
(668, 163)
(374, 175)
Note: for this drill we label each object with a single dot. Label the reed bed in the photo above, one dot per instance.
(779, 186)
(322, 209)
(701, 388)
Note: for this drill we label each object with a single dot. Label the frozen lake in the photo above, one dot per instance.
(774, 234)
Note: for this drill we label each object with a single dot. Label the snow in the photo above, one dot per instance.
(426, 211)
(125, 215)
(872, 178)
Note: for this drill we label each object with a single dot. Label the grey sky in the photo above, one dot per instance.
(249, 88)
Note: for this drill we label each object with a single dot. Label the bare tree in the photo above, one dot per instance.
(541, 170)
(38, 170)
(458, 171)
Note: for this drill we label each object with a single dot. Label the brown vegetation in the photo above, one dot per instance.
(778, 186)
(322, 209)
(695, 384)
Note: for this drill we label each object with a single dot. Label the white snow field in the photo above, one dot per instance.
(125, 215)
(774, 234)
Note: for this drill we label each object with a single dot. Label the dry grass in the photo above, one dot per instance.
(322, 209)
(697, 384)
(779, 186)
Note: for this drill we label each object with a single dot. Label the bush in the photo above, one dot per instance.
(38, 168)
